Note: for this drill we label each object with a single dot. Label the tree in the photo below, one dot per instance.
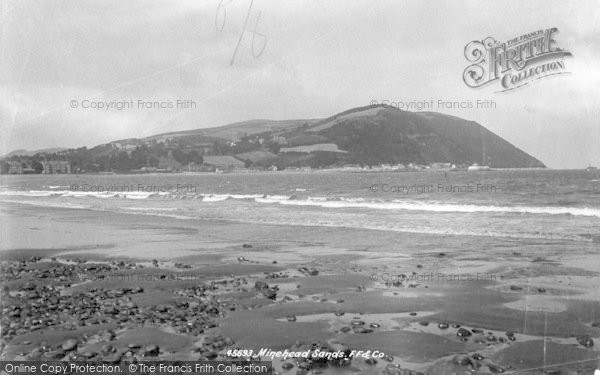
(38, 167)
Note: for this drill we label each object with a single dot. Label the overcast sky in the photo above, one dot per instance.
(320, 58)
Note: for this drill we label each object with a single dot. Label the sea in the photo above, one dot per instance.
(559, 205)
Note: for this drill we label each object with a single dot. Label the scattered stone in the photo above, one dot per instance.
(151, 350)
(374, 325)
(287, 366)
(70, 344)
(477, 357)
(461, 360)
(371, 361)
(462, 332)
(443, 325)
(495, 368)
(269, 293)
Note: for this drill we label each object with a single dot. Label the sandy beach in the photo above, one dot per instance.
(118, 287)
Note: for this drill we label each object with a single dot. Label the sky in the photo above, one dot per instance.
(61, 59)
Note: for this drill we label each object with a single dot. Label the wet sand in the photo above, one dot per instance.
(132, 286)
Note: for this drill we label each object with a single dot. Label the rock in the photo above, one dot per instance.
(461, 360)
(151, 350)
(247, 246)
(424, 323)
(542, 290)
(70, 344)
(269, 293)
(455, 325)
(462, 332)
(412, 314)
(356, 323)
(585, 340)
(371, 361)
(114, 358)
(362, 330)
(291, 318)
(338, 313)
(495, 368)
(374, 325)
(108, 349)
(477, 357)
(345, 329)
(391, 369)
(54, 354)
(515, 288)
(259, 285)
(443, 325)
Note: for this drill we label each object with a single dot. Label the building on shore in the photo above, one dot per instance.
(15, 167)
(224, 163)
(56, 167)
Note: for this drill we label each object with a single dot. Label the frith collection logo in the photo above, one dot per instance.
(514, 63)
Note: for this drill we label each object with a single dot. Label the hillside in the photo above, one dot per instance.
(371, 135)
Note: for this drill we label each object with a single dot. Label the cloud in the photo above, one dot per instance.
(321, 57)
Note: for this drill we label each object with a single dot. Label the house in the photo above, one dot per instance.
(15, 167)
(226, 162)
(56, 167)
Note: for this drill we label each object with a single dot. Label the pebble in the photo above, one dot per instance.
(151, 350)
(371, 361)
(462, 332)
(461, 360)
(70, 344)
(495, 368)
(287, 366)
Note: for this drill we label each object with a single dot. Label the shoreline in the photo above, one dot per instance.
(295, 292)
